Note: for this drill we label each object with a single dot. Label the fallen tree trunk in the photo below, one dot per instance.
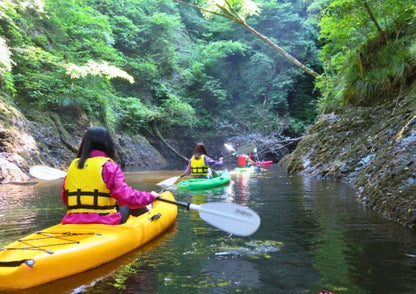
(160, 137)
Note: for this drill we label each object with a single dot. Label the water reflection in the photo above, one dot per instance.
(314, 235)
(252, 248)
(23, 209)
(242, 186)
(227, 274)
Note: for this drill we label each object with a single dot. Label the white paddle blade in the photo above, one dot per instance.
(244, 149)
(230, 217)
(229, 147)
(168, 182)
(46, 173)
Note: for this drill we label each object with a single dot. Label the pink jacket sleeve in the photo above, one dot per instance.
(125, 194)
(63, 193)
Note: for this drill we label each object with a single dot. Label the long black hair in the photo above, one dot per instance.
(95, 138)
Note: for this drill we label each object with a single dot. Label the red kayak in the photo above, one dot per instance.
(263, 162)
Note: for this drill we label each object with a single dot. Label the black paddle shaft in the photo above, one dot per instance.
(184, 204)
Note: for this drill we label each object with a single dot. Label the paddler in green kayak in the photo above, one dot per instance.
(199, 164)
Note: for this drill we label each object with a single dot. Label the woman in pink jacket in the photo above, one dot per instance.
(94, 188)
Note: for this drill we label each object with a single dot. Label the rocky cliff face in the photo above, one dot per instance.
(28, 138)
(371, 148)
(17, 146)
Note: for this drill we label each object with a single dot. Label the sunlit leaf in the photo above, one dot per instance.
(97, 69)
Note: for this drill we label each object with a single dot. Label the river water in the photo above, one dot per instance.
(313, 235)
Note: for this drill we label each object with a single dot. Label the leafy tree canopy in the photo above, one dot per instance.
(132, 63)
(367, 49)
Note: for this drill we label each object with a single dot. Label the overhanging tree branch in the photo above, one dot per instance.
(230, 13)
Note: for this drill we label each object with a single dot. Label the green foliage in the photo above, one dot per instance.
(174, 111)
(296, 127)
(179, 112)
(381, 76)
(6, 66)
(366, 50)
(80, 32)
(125, 32)
(127, 63)
(35, 85)
(10, 35)
(205, 85)
(133, 114)
(268, 79)
(213, 51)
(97, 69)
(52, 88)
(258, 70)
(265, 121)
(5, 58)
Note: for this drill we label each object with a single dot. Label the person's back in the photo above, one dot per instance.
(90, 195)
(198, 166)
(200, 163)
(95, 187)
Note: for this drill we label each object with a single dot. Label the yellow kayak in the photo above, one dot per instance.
(64, 250)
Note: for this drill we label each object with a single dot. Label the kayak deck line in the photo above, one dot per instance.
(49, 235)
(31, 262)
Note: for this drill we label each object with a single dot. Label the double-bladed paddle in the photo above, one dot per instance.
(233, 218)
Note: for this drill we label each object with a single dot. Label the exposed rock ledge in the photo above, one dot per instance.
(371, 148)
(51, 139)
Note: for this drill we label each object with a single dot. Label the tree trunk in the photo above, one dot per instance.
(380, 31)
(280, 50)
(231, 14)
(158, 135)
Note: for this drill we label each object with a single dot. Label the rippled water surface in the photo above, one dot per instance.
(313, 236)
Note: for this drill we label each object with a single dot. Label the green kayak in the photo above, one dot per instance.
(219, 179)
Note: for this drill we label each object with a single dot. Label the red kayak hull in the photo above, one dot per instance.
(263, 162)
